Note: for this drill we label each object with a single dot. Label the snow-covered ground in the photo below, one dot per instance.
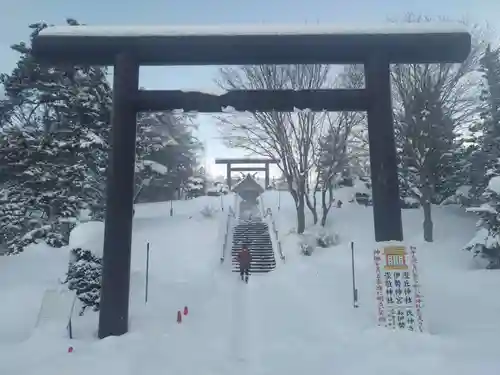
(297, 319)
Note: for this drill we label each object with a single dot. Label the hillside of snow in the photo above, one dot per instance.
(298, 318)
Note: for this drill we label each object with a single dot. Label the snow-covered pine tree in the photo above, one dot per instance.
(425, 137)
(13, 217)
(84, 277)
(486, 243)
(18, 200)
(461, 176)
(195, 187)
(59, 119)
(166, 154)
(488, 156)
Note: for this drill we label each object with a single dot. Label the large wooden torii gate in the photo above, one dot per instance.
(230, 168)
(127, 48)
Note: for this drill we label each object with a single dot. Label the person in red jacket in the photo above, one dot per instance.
(244, 260)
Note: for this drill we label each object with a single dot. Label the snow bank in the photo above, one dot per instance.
(494, 184)
(485, 208)
(296, 319)
(24, 278)
(89, 236)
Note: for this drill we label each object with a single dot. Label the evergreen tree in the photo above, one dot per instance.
(55, 144)
(56, 136)
(84, 277)
(486, 242)
(461, 175)
(166, 154)
(487, 158)
(426, 140)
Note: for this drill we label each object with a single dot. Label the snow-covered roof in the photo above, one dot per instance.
(254, 44)
(248, 183)
(248, 30)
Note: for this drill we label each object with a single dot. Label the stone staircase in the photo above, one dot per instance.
(254, 233)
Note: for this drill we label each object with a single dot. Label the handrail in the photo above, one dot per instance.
(269, 212)
(262, 209)
(280, 251)
(236, 210)
(230, 214)
(226, 235)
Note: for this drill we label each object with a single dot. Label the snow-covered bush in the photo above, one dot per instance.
(462, 196)
(208, 211)
(55, 239)
(307, 243)
(409, 202)
(84, 277)
(195, 187)
(306, 248)
(363, 198)
(486, 242)
(317, 237)
(44, 233)
(325, 239)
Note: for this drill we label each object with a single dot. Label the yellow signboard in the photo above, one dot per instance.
(395, 258)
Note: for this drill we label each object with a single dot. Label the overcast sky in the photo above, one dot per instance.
(16, 15)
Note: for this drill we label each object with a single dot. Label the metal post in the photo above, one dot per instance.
(266, 179)
(147, 275)
(383, 158)
(221, 203)
(228, 175)
(354, 290)
(114, 305)
(279, 199)
(171, 207)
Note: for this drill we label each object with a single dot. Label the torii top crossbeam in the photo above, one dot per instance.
(246, 161)
(260, 44)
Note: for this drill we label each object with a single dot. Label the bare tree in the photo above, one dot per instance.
(336, 152)
(432, 102)
(290, 137)
(333, 158)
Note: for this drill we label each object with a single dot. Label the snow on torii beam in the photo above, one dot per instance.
(260, 44)
(126, 48)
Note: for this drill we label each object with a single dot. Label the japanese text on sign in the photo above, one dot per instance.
(398, 295)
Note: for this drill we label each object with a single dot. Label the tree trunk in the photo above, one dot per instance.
(298, 196)
(301, 215)
(311, 203)
(312, 207)
(428, 226)
(325, 207)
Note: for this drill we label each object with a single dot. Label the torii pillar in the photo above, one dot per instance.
(228, 175)
(266, 179)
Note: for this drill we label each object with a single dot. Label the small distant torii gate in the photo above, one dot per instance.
(127, 48)
(229, 167)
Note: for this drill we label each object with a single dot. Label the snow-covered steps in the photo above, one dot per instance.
(256, 235)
